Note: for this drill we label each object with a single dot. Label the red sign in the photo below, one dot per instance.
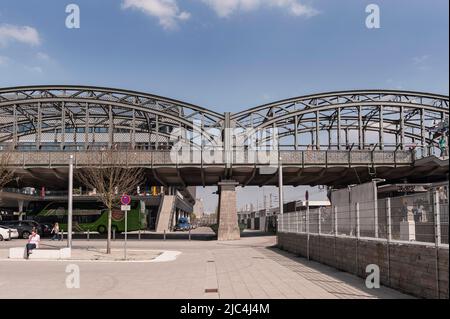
(125, 200)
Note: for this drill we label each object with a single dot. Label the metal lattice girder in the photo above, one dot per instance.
(360, 118)
(83, 117)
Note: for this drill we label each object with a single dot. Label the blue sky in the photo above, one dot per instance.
(251, 56)
(227, 55)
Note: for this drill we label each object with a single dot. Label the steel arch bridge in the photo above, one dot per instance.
(356, 119)
(80, 117)
(375, 125)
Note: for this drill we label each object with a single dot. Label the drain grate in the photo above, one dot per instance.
(211, 290)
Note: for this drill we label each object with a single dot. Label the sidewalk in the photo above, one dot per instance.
(248, 268)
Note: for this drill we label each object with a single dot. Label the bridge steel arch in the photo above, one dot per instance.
(377, 119)
(81, 117)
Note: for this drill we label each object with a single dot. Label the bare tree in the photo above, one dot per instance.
(6, 173)
(110, 179)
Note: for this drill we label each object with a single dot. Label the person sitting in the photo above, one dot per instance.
(33, 242)
(55, 232)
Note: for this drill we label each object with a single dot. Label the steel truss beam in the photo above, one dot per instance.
(85, 116)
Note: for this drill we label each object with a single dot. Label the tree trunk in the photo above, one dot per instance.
(108, 242)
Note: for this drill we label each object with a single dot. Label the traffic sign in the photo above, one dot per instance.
(125, 208)
(125, 200)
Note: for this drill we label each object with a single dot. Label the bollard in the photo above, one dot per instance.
(189, 234)
(164, 234)
(9, 234)
(88, 235)
(114, 233)
(62, 234)
(139, 235)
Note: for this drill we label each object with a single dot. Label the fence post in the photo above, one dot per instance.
(319, 222)
(358, 235)
(291, 228)
(358, 221)
(437, 218)
(376, 217)
(335, 209)
(389, 219)
(388, 237)
(437, 232)
(307, 229)
(335, 221)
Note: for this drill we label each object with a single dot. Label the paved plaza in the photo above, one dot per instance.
(247, 268)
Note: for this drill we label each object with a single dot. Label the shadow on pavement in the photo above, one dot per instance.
(342, 284)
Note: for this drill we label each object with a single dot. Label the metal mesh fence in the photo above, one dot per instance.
(419, 217)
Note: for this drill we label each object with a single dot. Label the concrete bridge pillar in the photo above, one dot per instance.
(20, 204)
(228, 218)
(166, 209)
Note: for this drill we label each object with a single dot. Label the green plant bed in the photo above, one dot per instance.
(215, 228)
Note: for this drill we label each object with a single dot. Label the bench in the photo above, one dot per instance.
(19, 253)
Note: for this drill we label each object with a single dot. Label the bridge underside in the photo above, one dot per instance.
(425, 170)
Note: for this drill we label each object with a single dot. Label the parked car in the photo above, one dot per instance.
(24, 227)
(182, 225)
(5, 233)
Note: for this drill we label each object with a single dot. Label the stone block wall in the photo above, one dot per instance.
(416, 269)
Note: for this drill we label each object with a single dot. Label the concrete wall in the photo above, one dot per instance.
(165, 213)
(263, 223)
(345, 200)
(410, 268)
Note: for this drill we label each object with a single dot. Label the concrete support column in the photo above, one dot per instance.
(228, 219)
(166, 209)
(20, 204)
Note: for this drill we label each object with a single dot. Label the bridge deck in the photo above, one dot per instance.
(335, 168)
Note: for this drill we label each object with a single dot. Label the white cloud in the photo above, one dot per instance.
(33, 69)
(225, 8)
(4, 60)
(43, 56)
(417, 60)
(421, 62)
(167, 11)
(23, 34)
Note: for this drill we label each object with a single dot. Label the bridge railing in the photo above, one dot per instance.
(214, 157)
